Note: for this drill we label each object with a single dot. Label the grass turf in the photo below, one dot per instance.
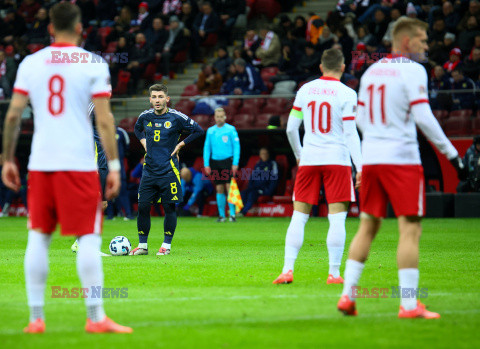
(215, 289)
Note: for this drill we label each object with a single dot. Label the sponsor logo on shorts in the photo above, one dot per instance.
(388, 292)
(92, 292)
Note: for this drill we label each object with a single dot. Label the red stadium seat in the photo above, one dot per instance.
(458, 126)
(282, 163)
(230, 110)
(211, 40)
(122, 84)
(269, 8)
(273, 109)
(203, 120)
(461, 113)
(185, 106)
(252, 160)
(128, 124)
(150, 71)
(476, 125)
(257, 103)
(276, 102)
(243, 121)
(440, 115)
(198, 164)
(235, 103)
(190, 90)
(35, 47)
(261, 120)
(249, 109)
(180, 57)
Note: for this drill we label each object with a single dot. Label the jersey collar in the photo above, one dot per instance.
(328, 78)
(62, 44)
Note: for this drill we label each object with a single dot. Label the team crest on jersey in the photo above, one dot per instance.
(422, 89)
(225, 139)
(158, 125)
(168, 124)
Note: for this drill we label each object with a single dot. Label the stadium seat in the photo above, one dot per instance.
(150, 71)
(476, 125)
(122, 84)
(211, 40)
(235, 103)
(269, 8)
(180, 57)
(261, 120)
(440, 115)
(35, 47)
(103, 33)
(353, 84)
(128, 124)
(458, 126)
(230, 111)
(461, 113)
(257, 103)
(111, 47)
(198, 164)
(190, 90)
(276, 102)
(273, 109)
(185, 106)
(249, 109)
(243, 121)
(282, 163)
(252, 160)
(203, 120)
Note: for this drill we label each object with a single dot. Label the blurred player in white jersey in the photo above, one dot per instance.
(327, 109)
(63, 185)
(393, 100)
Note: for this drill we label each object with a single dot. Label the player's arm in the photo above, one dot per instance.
(352, 139)
(236, 150)
(140, 132)
(11, 130)
(107, 131)
(295, 120)
(195, 131)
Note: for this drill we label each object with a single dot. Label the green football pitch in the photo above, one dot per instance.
(215, 289)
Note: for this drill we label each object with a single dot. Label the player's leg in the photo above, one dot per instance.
(169, 226)
(221, 201)
(231, 207)
(337, 214)
(147, 193)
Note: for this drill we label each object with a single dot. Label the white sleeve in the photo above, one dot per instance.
(416, 82)
(427, 123)
(360, 119)
(293, 135)
(21, 81)
(101, 86)
(352, 140)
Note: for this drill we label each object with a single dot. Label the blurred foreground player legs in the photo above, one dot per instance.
(221, 155)
(327, 109)
(159, 129)
(393, 100)
(63, 182)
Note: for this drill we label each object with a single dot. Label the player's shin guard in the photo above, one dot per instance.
(143, 221)
(169, 223)
(36, 271)
(89, 268)
(294, 239)
(336, 242)
(221, 202)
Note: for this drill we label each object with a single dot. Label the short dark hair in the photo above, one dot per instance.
(332, 59)
(158, 87)
(65, 16)
(458, 70)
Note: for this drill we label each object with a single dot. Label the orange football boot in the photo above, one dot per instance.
(38, 326)
(333, 280)
(106, 326)
(347, 306)
(284, 278)
(419, 312)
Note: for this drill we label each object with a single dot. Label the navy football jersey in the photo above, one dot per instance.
(100, 156)
(162, 133)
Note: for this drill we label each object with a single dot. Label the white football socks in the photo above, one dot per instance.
(167, 246)
(353, 271)
(294, 239)
(89, 268)
(408, 279)
(143, 245)
(336, 242)
(36, 271)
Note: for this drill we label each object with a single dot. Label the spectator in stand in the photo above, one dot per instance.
(473, 10)
(106, 11)
(465, 100)
(8, 70)
(206, 23)
(411, 11)
(269, 52)
(359, 60)
(187, 16)
(171, 7)
(439, 81)
(222, 62)
(228, 11)
(379, 26)
(288, 65)
(471, 66)
(209, 81)
(437, 34)
(38, 33)
(439, 53)
(263, 181)
(284, 26)
(395, 14)
(471, 163)
(326, 40)
(195, 189)
(371, 12)
(452, 17)
(13, 26)
(453, 61)
(314, 29)
(466, 37)
(120, 61)
(347, 44)
(251, 43)
(144, 18)
(93, 42)
(88, 12)
(29, 8)
(176, 42)
(362, 35)
(300, 28)
(309, 63)
(124, 18)
(21, 50)
(140, 56)
(157, 36)
(247, 80)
